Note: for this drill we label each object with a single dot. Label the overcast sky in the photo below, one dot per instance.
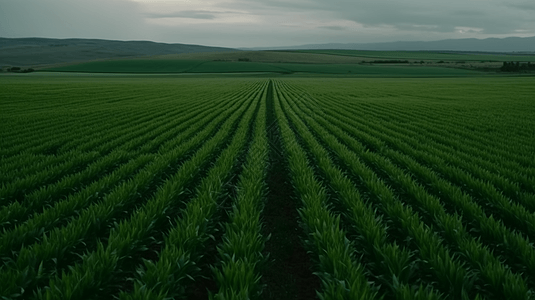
(251, 23)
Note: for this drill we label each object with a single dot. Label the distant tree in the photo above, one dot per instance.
(517, 67)
(392, 61)
(504, 67)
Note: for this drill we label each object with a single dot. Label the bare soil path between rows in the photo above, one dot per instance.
(288, 274)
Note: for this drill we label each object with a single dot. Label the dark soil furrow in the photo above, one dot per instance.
(288, 274)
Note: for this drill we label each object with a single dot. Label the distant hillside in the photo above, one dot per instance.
(42, 51)
(511, 44)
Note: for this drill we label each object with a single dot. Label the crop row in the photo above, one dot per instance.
(133, 142)
(45, 245)
(341, 275)
(97, 270)
(483, 270)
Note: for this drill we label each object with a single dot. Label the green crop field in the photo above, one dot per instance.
(233, 67)
(132, 66)
(425, 55)
(165, 66)
(377, 71)
(154, 187)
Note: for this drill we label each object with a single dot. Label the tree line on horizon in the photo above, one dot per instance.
(517, 66)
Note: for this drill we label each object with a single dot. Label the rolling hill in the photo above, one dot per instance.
(42, 51)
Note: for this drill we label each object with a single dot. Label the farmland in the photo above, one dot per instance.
(146, 187)
(187, 67)
(426, 55)
(312, 62)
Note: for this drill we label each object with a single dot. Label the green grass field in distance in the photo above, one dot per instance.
(394, 71)
(424, 55)
(231, 67)
(131, 66)
(167, 66)
(196, 66)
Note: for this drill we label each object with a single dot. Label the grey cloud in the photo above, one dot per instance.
(338, 28)
(295, 5)
(445, 18)
(468, 13)
(188, 14)
(524, 6)
(437, 16)
(192, 14)
(274, 22)
(425, 28)
(70, 18)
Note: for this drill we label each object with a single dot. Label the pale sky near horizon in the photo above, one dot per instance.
(263, 23)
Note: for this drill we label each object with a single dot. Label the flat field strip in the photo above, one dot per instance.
(425, 55)
(157, 188)
(199, 66)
